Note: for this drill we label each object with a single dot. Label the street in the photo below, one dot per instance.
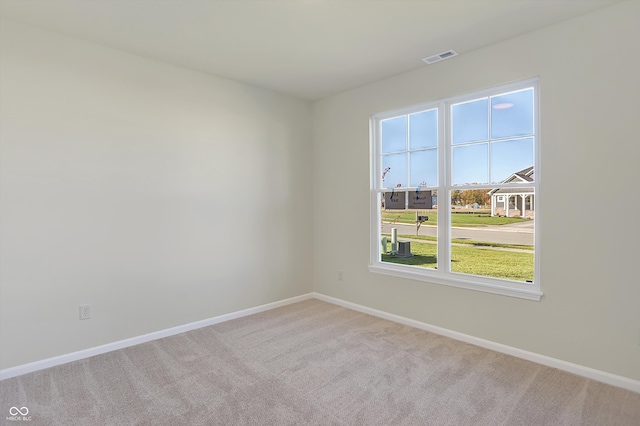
(519, 233)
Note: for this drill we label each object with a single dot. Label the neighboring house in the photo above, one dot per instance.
(514, 202)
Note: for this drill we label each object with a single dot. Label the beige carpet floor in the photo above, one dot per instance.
(312, 363)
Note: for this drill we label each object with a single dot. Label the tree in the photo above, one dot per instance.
(472, 196)
(455, 197)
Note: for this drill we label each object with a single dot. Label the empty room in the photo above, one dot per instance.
(292, 212)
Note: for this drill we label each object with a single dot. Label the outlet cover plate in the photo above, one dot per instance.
(85, 312)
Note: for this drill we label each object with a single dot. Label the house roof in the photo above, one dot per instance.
(524, 175)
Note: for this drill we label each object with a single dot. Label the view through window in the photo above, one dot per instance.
(454, 190)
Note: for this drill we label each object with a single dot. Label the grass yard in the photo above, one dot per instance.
(510, 265)
(457, 219)
(468, 242)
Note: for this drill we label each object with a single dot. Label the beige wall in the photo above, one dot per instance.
(589, 97)
(158, 195)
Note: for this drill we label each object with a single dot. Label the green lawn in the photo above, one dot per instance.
(511, 265)
(468, 242)
(457, 219)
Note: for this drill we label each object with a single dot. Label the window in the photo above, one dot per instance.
(454, 191)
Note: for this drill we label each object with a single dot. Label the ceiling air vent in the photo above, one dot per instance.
(440, 57)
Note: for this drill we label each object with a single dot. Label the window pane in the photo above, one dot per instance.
(492, 235)
(396, 174)
(423, 129)
(512, 114)
(470, 164)
(424, 168)
(394, 134)
(470, 121)
(509, 157)
(417, 235)
(487, 168)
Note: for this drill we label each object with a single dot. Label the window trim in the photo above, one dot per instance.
(529, 291)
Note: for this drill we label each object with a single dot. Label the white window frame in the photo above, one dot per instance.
(442, 275)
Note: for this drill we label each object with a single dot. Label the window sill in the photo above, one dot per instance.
(421, 274)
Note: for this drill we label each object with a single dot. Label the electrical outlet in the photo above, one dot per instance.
(340, 276)
(85, 312)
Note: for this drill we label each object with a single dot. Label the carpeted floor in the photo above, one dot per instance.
(312, 363)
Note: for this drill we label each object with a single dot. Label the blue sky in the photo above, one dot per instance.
(491, 139)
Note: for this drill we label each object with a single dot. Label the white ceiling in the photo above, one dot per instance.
(305, 48)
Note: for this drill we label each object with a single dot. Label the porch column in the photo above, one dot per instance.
(524, 205)
(506, 205)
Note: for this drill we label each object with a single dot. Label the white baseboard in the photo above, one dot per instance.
(86, 353)
(591, 373)
(601, 376)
